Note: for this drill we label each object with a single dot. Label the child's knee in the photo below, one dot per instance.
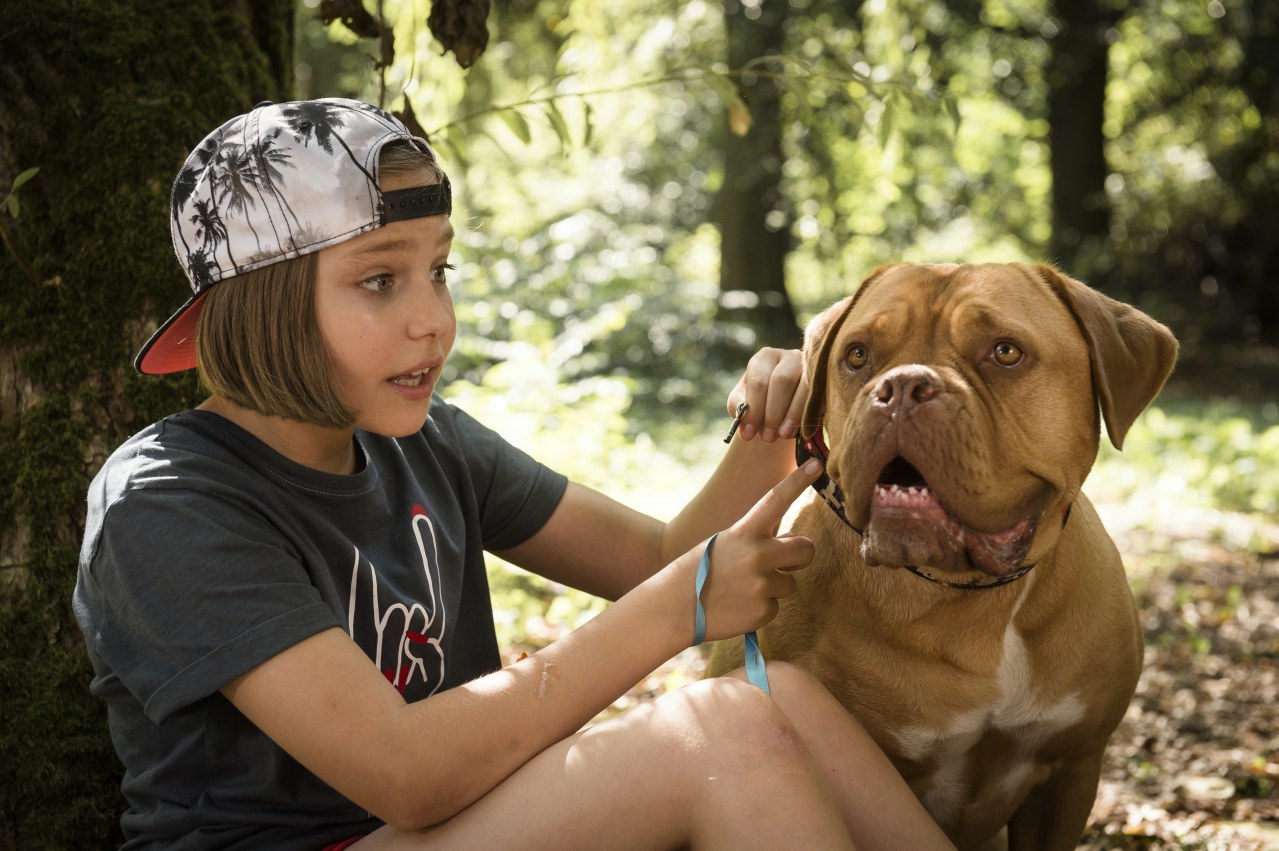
(738, 717)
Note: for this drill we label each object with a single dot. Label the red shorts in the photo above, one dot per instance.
(344, 844)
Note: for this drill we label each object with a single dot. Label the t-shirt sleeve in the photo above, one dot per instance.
(516, 493)
(191, 591)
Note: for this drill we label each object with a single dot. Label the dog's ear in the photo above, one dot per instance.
(1131, 354)
(819, 336)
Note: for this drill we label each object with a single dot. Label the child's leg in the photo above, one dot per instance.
(714, 765)
(880, 810)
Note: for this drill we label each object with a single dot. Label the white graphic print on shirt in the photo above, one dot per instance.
(408, 636)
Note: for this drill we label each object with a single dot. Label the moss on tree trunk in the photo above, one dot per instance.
(105, 98)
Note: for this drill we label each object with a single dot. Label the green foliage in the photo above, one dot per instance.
(914, 130)
(1191, 120)
(10, 201)
(603, 254)
(583, 430)
(1223, 455)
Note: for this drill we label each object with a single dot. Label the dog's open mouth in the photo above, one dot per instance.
(909, 525)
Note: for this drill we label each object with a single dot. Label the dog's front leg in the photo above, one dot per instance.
(1054, 814)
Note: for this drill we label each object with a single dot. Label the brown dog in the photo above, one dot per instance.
(960, 404)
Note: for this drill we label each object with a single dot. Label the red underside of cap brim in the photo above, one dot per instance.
(172, 347)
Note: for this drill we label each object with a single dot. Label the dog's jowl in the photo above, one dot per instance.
(966, 604)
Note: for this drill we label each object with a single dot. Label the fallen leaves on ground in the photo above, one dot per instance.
(1195, 764)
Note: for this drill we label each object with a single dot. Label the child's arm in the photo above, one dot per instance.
(418, 764)
(596, 544)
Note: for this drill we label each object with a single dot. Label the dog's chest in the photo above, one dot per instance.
(1018, 711)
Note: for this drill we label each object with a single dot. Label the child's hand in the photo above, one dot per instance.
(751, 567)
(775, 389)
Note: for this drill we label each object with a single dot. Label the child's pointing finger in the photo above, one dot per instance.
(767, 514)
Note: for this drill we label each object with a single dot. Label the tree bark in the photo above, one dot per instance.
(752, 213)
(105, 99)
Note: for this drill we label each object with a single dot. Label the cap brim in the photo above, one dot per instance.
(172, 347)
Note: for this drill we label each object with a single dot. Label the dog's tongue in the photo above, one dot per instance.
(993, 553)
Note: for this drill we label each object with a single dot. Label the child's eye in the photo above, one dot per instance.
(378, 283)
(440, 274)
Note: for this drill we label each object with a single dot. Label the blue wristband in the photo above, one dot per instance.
(755, 669)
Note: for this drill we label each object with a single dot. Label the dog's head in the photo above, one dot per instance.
(961, 405)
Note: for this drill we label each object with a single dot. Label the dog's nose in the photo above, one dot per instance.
(905, 385)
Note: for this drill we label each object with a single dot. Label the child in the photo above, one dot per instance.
(245, 561)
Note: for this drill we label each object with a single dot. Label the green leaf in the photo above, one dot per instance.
(726, 89)
(952, 109)
(558, 123)
(453, 142)
(588, 125)
(517, 124)
(23, 178)
(886, 124)
(498, 144)
(570, 37)
(12, 203)
(800, 90)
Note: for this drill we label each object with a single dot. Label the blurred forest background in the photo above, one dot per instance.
(646, 192)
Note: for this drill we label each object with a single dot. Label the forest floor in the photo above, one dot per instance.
(1195, 764)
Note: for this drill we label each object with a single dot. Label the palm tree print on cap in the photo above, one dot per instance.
(281, 181)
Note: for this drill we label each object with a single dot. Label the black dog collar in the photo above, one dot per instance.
(815, 447)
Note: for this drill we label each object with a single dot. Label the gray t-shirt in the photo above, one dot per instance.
(207, 553)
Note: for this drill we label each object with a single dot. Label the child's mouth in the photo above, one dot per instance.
(412, 379)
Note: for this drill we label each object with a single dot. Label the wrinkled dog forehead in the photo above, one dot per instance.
(924, 311)
(1130, 355)
(937, 289)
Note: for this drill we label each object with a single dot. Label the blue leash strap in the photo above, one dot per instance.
(755, 670)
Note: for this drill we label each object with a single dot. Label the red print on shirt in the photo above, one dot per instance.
(408, 635)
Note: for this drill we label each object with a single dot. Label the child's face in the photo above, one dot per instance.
(386, 315)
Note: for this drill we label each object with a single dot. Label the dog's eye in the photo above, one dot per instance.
(858, 356)
(1006, 353)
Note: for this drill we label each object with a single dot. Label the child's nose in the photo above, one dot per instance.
(431, 311)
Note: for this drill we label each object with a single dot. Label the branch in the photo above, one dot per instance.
(678, 75)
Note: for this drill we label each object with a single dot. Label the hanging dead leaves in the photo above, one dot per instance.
(461, 26)
(358, 20)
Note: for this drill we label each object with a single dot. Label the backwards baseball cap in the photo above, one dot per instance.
(278, 182)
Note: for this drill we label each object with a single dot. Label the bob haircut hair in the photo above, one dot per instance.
(258, 342)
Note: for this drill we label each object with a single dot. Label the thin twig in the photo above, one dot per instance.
(678, 75)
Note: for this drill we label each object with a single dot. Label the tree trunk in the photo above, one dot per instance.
(752, 213)
(1257, 175)
(105, 99)
(1076, 111)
